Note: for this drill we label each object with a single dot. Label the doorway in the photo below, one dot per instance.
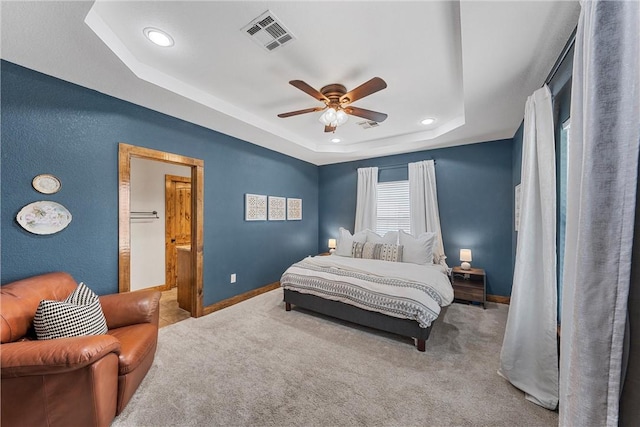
(193, 259)
(177, 196)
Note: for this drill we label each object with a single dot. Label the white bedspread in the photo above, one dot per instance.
(396, 289)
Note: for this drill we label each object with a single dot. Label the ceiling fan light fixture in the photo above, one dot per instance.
(341, 117)
(428, 121)
(333, 118)
(158, 37)
(328, 117)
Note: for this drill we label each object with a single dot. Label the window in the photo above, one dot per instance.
(393, 207)
(562, 204)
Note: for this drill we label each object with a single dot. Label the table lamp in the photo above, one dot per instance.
(465, 258)
(332, 245)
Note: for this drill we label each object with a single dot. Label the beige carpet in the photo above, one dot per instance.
(254, 364)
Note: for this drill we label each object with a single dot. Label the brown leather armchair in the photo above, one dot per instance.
(79, 381)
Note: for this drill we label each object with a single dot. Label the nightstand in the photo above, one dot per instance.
(469, 285)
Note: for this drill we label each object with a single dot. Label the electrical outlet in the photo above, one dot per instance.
(233, 278)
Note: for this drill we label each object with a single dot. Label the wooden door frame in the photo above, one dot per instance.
(125, 153)
(168, 228)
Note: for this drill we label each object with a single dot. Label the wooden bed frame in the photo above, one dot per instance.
(339, 310)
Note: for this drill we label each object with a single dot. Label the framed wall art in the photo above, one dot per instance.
(294, 209)
(255, 207)
(277, 208)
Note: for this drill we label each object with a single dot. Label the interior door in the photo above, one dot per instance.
(178, 223)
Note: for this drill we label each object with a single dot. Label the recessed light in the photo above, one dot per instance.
(158, 37)
(335, 140)
(428, 121)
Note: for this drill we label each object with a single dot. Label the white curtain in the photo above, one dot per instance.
(423, 204)
(367, 199)
(601, 200)
(529, 356)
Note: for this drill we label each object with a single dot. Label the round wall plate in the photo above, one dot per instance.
(46, 184)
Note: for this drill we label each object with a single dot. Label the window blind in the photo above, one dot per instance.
(393, 207)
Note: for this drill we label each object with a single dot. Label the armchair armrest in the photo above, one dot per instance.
(25, 358)
(130, 308)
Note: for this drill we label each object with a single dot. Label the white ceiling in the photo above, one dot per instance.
(469, 64)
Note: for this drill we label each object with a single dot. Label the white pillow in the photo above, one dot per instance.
(417, 250)
(345, 241)
(391, 238)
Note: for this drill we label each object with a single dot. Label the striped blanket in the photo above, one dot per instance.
(397, 289)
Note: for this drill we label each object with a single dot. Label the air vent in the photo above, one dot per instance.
(268, 31)
(368, 124)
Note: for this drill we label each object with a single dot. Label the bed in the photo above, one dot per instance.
(397, 297)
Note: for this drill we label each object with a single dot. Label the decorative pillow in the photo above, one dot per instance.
(78, 315)
(345, 241)
(391, 237)
(417, 250)
(357, 249)
(385, 252)
(369, 250)
(388, 252)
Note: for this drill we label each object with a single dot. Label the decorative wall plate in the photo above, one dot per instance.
(44, 217)
(46, 183)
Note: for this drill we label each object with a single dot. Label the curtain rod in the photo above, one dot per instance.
(399, 165)
(565, 50)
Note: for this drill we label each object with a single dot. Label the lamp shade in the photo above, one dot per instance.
(465, 255)
(465, 258)
(332, 243)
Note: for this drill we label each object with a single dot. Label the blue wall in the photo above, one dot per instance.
(51, 126)
(475, 197)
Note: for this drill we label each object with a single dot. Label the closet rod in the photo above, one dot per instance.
(563, 55)
(154, 213)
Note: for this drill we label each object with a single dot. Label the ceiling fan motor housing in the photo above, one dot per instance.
(333, 92)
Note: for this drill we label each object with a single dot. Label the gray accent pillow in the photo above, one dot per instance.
(78, 315)
(385, 252)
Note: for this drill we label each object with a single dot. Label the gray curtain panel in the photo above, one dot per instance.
(601, 202)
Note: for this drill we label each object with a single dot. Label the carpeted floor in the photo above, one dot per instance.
(254, 364)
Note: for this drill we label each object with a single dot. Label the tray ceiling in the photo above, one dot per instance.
(469, 64)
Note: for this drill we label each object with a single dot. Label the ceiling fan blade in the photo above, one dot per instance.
(295, 113)
(308, 90)
(365, 89)
(366, 114)
(329, 128)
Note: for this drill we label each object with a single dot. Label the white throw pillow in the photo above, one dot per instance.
(391, 238)
(345, 241)
(417, 250)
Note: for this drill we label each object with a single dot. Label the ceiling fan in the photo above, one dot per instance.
(337, 102)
